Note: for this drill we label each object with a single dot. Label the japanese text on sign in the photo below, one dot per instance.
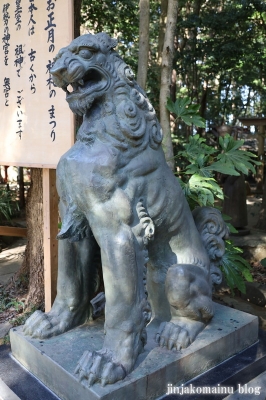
(36, 123)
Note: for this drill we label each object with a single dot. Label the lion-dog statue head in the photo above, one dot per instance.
(89, 70)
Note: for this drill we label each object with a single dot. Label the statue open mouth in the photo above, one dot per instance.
(93, 82)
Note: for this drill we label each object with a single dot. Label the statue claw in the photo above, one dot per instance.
(98, 366)
(82, 375)
(91, 379)
(178, 335)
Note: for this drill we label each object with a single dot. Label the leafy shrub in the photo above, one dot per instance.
(8, 203)
(5, 203)
(200, 187)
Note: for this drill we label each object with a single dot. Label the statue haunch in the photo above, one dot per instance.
(117, 194)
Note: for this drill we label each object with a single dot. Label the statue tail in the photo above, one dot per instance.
(213, 231)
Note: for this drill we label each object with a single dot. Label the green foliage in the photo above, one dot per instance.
(263, 262)
(226, 218)
(235, 268)
(232, 160)
(202, 161)
(220, 51)
(187, 112)
(20, 319)
(5, 203)
(6, 302)
(221, 57)
(201, 191)
(117, 18)
(15, 305)
(8, 203)
(200, 187)
(6, 340)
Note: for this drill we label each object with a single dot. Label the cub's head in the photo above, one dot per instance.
(80, 70)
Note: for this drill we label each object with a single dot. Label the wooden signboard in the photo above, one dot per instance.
(37, 126)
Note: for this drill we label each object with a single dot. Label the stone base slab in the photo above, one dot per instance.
(6, 393)
(53, 361)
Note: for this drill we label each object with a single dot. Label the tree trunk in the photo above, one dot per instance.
(203, 106)
(144, 22)
(77, 8)
(33, 266)
(261, 224)
(77, 18)
(163, 19)
(166, 74)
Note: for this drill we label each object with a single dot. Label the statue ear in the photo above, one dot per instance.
(113, 43)
(107, 43)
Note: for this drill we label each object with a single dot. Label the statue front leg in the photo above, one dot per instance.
(75, 286)
(126, 312)
(188, 290)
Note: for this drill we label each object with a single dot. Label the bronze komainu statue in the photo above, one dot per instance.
(118, 194)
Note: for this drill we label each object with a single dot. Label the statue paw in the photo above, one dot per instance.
(37, 325)
(172, 336)
(179, 333)
(58, 320)
(99, 366)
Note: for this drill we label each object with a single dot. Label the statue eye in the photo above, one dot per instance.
(85, 53)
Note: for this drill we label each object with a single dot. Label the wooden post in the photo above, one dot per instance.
(50, 245)
(21, 188)
(260, 170)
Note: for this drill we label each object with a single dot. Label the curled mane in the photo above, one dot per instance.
(128, 116)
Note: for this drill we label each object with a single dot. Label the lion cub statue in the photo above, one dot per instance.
(117, 194)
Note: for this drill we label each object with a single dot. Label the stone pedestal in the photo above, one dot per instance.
(53, 360)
